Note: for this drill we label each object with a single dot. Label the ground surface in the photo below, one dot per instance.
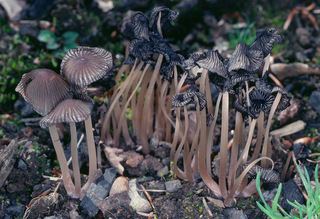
(215, 23)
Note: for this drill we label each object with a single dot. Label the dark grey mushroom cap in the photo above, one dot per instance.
(245, 58)
(84, 65)
(43, 89)
(69, 110)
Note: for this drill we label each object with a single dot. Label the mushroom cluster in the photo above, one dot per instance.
(243, 82)
(151, 76)
(62, 98)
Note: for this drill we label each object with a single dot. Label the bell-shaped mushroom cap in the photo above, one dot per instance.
(43, 89)
(245, 58)
(166, 15)
(69, 110)
(265, 40)
(135, 26)
(84, 65)
(213, 62)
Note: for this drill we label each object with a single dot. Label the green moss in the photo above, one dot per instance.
(244, 35)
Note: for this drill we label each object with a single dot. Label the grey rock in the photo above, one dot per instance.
(233, 213)
(136, 201)
(15, 210)
(110, 175)
(314, 100)
(89, 207)
(166, 161)
(53, 217)
(22, 165)
(173, 185)
(163, 172)
(24, 108)
(94, 196)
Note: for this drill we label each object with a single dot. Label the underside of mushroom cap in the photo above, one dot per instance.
(84, 65)
(43, 89)
(69, 110)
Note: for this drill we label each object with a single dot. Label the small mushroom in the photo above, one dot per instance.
(43, 89)
(265, 40)
(72, 111)
(84, 65)
(245, 58)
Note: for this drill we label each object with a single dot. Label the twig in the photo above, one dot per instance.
(282, 71)
(78, 145)
(148, 197)
(206, 207)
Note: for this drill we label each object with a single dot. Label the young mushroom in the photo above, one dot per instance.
(50, 95)
(81, 67)
(44, 89)
(70, 111)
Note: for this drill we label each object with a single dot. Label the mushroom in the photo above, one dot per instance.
(72, 111)
(81, 67)
(50, 95)
(44, 89)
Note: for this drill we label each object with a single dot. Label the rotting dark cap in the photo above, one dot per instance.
(245, 58)
(43, 89)
(84, 65)
(69, 110)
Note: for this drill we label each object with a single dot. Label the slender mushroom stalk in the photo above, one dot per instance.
(91, 149)
(75, 158)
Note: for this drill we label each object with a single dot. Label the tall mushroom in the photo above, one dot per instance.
(44, 89)
(81, 67)
(70, 111)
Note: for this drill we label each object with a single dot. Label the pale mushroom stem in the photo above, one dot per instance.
(91, 149)
(66, 177)
(75, 159)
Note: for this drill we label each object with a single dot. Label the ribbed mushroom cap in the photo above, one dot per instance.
(245, 58)
(43, 89)
(69, 110)
(84, 65)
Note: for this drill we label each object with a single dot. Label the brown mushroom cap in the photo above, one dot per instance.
(69, 110)
(43, 89)
(84, 65)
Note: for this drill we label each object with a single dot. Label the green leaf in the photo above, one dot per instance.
(52, 45)
(46, 36)
(276, 198)
(70, 37)
(70, 45)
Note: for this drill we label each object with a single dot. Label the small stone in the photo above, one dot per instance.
(15, 210)
(22, 165)
(136, 201)
(151, 164)
(95, 194)
(292, 193)
(233, 213)
(173, 185)
(163, 172)
(89, 207)
(166, 161)
(121, 184)
(110, 175)
(314, 100)
(133, 159)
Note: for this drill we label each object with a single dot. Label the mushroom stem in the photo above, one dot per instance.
(75, 159)
(224, 144)
(267, 130)
(91, 148)
(66, 177)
